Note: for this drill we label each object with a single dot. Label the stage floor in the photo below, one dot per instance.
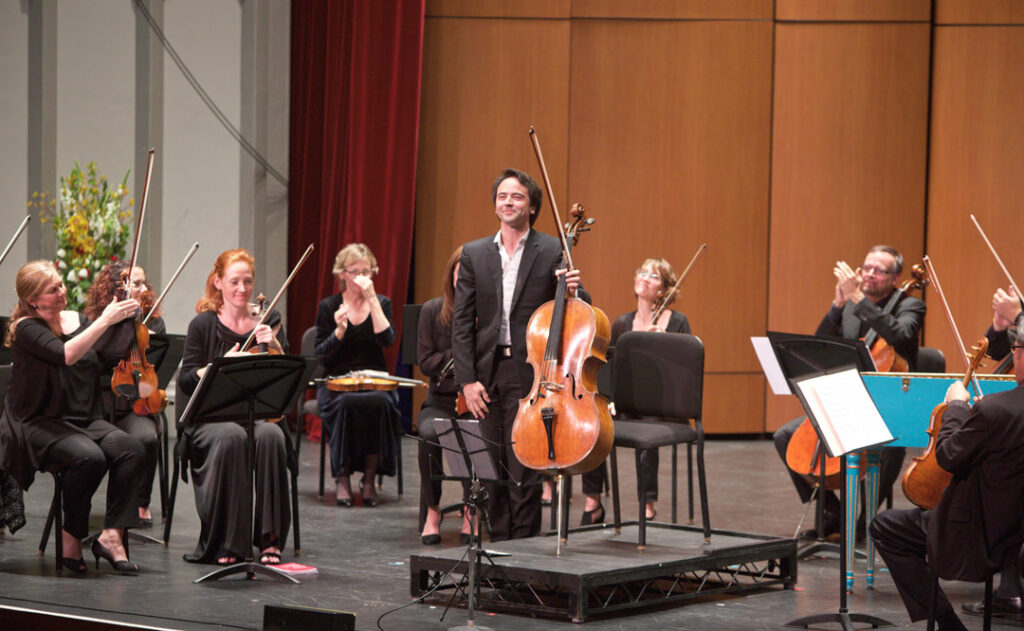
(363, 556)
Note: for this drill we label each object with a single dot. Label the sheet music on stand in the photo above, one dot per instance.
(840, 407)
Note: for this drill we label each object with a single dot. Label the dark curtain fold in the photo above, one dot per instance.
(355, 96)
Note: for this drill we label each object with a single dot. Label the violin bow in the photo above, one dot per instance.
(551, 196)
(273, 303)
(184, 262)
(679, 283)
(17, 233)
(952, 323)
(138, 225)
(998, 260)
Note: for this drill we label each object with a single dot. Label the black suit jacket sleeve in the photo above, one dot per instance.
(478, 303)
(900, 328)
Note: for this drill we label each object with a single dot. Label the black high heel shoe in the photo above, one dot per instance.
(595, 516)
(100, 551)
(77, 566)
(368, 502)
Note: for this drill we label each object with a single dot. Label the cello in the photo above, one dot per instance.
(924, 481)
(572, 235)
(804, 451)
(563, 425)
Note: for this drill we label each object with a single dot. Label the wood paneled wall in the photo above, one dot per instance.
(785, 141)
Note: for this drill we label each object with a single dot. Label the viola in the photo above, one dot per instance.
(361, 384)
(563, 424)
(924, 480)
(804, 453)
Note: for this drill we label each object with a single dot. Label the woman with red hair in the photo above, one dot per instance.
(217, 451)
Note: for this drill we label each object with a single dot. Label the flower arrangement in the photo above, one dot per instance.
(90, 225)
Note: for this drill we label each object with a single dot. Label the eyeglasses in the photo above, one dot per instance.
(359, 272)
(652, 276)
(871, 269)
(1014, 347)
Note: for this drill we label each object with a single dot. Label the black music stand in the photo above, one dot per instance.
(802, 356)
(469, 458)
(246, 389)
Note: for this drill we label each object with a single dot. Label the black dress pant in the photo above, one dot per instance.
(83, 462)
(514, 511)
(901, 537)
(891, 464)
(430, 455)
(647, 462)
(143, 429)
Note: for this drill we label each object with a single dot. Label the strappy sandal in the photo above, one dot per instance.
(270, 558)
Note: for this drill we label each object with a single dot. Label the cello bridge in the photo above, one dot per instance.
(551, 385)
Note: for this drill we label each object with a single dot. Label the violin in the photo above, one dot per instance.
(364, 380)
(259, 311)
(134, 378)
(563, 424)
(264, 311)
(361, 384)
(924, 481)
(803, 455)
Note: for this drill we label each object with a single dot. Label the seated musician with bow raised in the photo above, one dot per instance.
(976, 528)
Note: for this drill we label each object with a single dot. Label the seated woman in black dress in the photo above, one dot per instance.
(101, 292)
(434, 356)
(353, 327)
(651, 283)
(217, 451)
(53, 418)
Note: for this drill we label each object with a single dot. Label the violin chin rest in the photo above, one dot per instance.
(127, 391)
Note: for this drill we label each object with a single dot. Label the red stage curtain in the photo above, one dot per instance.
(355, 97)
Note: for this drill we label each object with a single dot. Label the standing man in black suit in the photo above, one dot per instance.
(859, 305)
(977, 526)
(502, 280)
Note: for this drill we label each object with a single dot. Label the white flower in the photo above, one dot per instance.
(60, 253)
(96, 265)
(62, 265)
(72, 277)
(83, 273)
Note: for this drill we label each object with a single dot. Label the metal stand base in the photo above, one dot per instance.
(844, 620)
(818, 547)
(250, 569)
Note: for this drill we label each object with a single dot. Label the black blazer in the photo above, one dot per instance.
(478, 304)
(900, 328)
(978, 525)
